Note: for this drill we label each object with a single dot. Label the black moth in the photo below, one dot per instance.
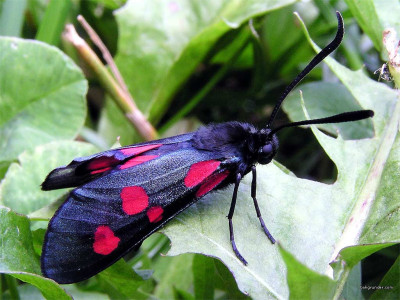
(124, 195)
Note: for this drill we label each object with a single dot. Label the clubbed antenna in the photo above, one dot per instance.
(316, 60)
(340, 118)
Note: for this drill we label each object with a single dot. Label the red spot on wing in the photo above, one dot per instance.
(198, 172)
(105, 241)
(100, 170)
(101, 164)
(137, 150)
(155, 214)
(211, 183)
(137, 160)
(134, 200)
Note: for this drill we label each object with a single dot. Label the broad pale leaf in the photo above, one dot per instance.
(162, 42)
(42, 96)
(17, 257)
(20, 189)
(312, 221)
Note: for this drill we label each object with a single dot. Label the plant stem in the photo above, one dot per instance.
(124, 101)
(106, 54)
(392, 46)
(341, 282)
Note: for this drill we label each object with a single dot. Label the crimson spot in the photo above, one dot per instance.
(105, 241)
(134, 200)
(211, 182)
(200, 171)
(137, 150)
(137, 160)
(155, 214)
(101, 164)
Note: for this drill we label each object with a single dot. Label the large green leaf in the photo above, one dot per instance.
(20, 189)
(11, 17)
(374, 16)
(42, 96)
(173, 274)
(162, 42)
(367, 17)
(305, 283)
(312, 221)
(17, 257)
(121, 282)
(385, 212)
(326, 99)
(389, 287)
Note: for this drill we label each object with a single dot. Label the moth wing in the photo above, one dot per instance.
(107, 217)
(84, 169)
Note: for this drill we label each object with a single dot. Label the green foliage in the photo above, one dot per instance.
(42, 96)
(202, 56)
(11, 17)
(53, 22)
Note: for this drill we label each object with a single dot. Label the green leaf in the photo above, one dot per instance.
(120, 281)
(377, 155)
(161, 44)
(203, 275)
(324, 99)
(113, 125)
(367, 18)
(37, 9)
(25, 291)
(352, 288)
(159, 49)
(53, 22)
(312, 221)
(172, 273)
(385, 212)
(17, 257)
(15, 243)
(78, 294)
(388, 13)
(11, 17)
(49, 288)
(20, 189)
(3, 168)
(39, 101)
(305, 283)
(352, 255)
(229, 282)
(112, 4)
(389, 287)
(285, 43)
(182, 295)
(374, 16)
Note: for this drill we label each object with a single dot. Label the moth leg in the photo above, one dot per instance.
(230, 215)
(253, 195)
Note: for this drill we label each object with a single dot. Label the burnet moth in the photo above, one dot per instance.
(124, 195)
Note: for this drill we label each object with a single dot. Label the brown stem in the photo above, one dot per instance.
(106, 54)
(122, 98)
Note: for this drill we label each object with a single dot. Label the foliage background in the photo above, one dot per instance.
(192, 62)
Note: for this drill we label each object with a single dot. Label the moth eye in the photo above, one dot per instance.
(267, 149)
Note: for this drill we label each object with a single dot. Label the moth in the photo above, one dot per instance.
(123, 195)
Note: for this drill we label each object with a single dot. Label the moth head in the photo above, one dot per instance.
(268, 146)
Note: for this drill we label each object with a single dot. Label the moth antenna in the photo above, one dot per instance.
(315, 61)
(340, 118)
